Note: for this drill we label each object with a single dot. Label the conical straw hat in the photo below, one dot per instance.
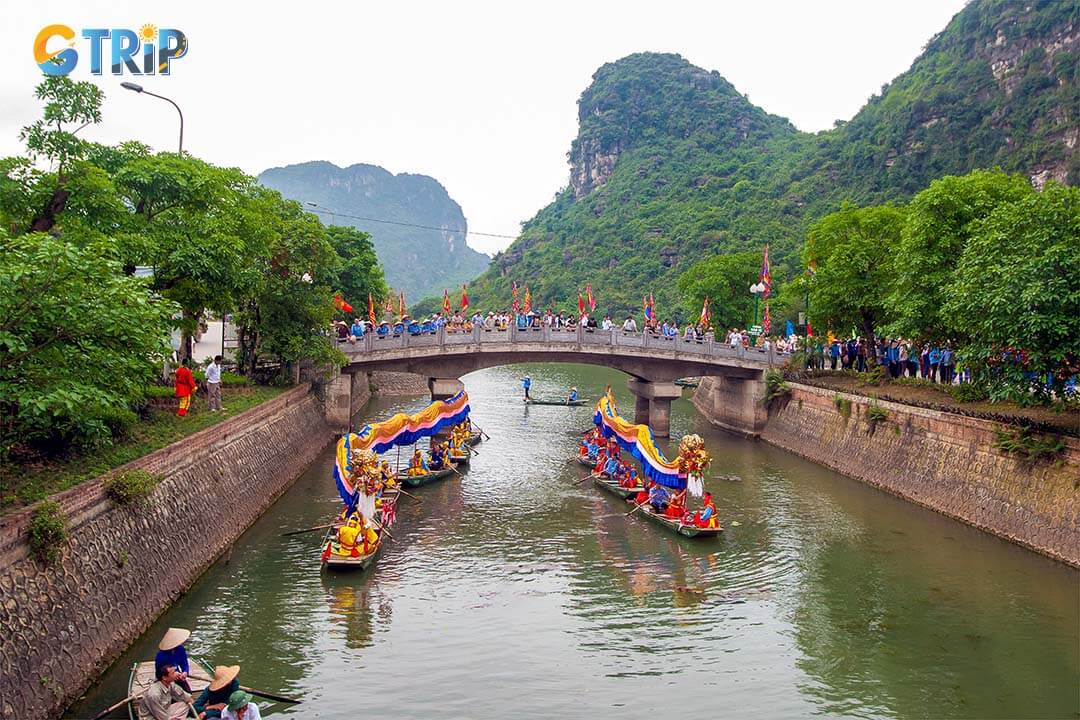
(223, 675)
(174, 637)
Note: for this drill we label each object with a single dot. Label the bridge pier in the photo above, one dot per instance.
(652, 404)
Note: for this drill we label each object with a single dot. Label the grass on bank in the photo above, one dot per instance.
(23, 484)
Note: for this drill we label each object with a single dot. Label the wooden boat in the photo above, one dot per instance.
(142, 677)
(418, 480)
(341, 562)
(475, 439)
(460, 459)
(675, 526)
(688, 382)
(584, 460)
(613, 487)
(564, 402)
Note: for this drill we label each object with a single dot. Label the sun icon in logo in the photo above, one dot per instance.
(148, 32)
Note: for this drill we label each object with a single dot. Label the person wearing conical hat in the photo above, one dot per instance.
(572, 397)
(171, 651)
(215, 698)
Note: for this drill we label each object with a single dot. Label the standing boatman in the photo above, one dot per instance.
(526, 382)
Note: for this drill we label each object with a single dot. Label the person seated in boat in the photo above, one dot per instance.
(643, 495)
(611, 467)
(165, 699)
(241, 707)
(215, 698)
(347, 535)
(627, 475)
(572, 397)
(601, 460)
(171, 651)
(706, 516)
(676, 506)
(418, 465)
(658, 496)
(387, 475)
(438, 456)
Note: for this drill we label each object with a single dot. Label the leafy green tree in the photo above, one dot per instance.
(1017, 289)
(69, 107)
(359, 271)
(938, 226)
(726, 280)
(78, 341)
(854, 252)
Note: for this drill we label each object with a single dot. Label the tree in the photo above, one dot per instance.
(1017, 291)
(69, 107)
(359, 272)
(78, 341)
(726, 279)
(934, 236)
(853, 250)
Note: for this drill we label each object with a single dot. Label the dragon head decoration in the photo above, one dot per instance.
(693, 457)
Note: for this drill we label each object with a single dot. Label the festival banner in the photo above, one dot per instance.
(590, 298)
(706, 317)
(515, 305)
(637, 440)
(766, 276)
(580, 304)
(766, 322)
(401, 429)
(650, 307)
(464, 299)
(447, 310)
(527, 305)
(371, 309)
(401, 304)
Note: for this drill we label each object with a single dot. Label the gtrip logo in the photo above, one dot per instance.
(148, 51)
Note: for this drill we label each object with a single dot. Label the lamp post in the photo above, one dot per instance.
(320, 208)
(139, 89)
(757, 290)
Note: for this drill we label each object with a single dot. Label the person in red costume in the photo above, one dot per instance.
(185, 387)
(676, 505)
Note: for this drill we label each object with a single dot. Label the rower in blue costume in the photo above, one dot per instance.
(573, 395)
(611, 467)
(658, 496)
(526, 382)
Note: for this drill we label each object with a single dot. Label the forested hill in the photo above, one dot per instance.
(420, 262)
(673, 164)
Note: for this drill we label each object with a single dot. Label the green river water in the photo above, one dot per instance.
(515, 593)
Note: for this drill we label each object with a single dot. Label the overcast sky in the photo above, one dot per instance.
(480, 96)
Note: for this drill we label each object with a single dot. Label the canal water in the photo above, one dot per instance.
(516, 592)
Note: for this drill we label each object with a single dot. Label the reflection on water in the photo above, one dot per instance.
(518, 592)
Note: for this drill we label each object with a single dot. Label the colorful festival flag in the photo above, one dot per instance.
(464, 299)
(447, 310)
(401, 303)
(515, 305)
(809, 330)
(527, 305)
(371, 309)
(580, 304)
(706, 318)
(766, 322)
(341, 305)
(650, 307)
(589, 297)
(388, 304)
(766, 276)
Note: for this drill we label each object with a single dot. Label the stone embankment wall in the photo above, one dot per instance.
(940, 460)
(62, 624)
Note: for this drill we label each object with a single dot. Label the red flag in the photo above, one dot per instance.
(809, 330)
(341, 305)
(515, 305)
(464, 299)
(401, 303)
(370, 309)
(527, 307)
(766, 322)
(590, 298)
(447, 310)
(580, 304)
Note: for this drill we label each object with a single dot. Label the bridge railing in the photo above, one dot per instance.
(616, 338)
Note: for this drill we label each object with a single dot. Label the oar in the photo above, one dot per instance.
(253, 691)
(382, 527)
(408, 494)
(191, 708)
(481, 431)
(454, 468)
(588, 477)
(310, 529)
(109, 709)
(636, 508)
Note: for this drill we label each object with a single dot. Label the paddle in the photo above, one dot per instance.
(454, 468)
(409, 494)
(636, 508)
(481, 430)
(253, 691)
(310, 529)
(588, 477)
(109, 709)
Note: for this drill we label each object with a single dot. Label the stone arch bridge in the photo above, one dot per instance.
(652, 362)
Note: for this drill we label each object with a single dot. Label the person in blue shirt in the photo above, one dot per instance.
(658, 496)
(572, 397)
(935, 360)
(357, 328)
(384, 329)
(611, 467)
(526, 382)
(946, 365)
(399, 327)
(171, 651)
(834, 354)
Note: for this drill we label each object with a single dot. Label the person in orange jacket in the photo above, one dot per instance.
(185, 387)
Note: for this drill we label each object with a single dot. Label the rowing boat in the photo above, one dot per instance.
(688, 382)
(460, 459)
(418, 480)
(564, 403)
(142, 677)
(691, 531)
(586, 461)
(604, 481)
(475, 439)
(349, 562)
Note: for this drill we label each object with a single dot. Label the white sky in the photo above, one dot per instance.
(481, 96)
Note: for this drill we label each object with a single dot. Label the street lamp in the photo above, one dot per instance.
(320, 208)
(139, 89)
(757, 290)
